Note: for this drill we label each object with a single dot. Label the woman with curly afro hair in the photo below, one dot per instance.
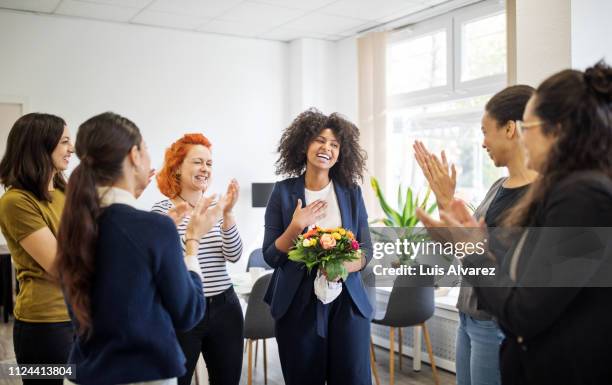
(323, 332)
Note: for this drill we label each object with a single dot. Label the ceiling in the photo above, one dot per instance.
(282, 20)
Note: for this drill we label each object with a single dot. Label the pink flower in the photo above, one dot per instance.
(354, 245)
(327, 241)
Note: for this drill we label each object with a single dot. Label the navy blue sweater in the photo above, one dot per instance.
(141, 292)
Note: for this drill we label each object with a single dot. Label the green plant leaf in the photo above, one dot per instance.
(391, 214)
(400, 197)
(408, 208)
(424, 204)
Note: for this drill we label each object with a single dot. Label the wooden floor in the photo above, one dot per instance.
(405, 376)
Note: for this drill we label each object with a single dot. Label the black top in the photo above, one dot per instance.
(555, 334)
(500, 240)
(504, 200)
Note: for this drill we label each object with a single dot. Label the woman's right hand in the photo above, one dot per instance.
(441, 181)
(204, 217)
(307, 216)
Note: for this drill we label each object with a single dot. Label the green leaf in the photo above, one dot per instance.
(432, 208)
(400, 197)
(408, 208)
(334, 270)
(391, 214)
(424, 204)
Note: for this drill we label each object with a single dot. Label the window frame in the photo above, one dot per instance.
(454, 88)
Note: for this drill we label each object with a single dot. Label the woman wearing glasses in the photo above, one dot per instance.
(555, 334)
(478, 335)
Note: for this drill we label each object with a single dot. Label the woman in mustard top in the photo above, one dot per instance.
(37, 152)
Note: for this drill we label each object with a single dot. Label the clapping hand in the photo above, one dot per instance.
(204, 217)
(231, 196)
(178, 212)
(442, 179)
(461, 225)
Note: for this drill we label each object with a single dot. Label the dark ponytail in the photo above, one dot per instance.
(102, 144)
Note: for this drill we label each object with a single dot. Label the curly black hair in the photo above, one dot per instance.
(296, 138)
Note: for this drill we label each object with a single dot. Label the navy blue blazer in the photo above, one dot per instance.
(288, 274)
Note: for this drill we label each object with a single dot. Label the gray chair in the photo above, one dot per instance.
(258, 323)
(256, 259)
(411, 303)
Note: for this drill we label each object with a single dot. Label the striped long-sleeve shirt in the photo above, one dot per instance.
(216, 247)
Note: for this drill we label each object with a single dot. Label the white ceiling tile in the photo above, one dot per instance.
(162, 19)
(307, 5)
(96, 10)
(261, 13)
(410, 9)
(368, 9)
(234, 28)
(202, 8)
(30, 5)
(323, 24)
(288, 34)
(122, 3)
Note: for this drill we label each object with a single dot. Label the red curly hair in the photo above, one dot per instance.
(167, 179)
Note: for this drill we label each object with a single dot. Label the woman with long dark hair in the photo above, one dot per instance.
(478, 335)
(127, 283)
(184, 178)
(556, 334)
(318, 342)
(38, 150)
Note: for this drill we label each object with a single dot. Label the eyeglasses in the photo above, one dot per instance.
(522, 126)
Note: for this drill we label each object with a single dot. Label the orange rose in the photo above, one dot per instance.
(310, 233)
(350, 235)
(327, 241)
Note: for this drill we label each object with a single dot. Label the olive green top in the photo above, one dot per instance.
(40, 297)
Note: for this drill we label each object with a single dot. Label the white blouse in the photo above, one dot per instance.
(332, 213)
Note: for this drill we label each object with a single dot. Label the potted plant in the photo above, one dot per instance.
(403, 221)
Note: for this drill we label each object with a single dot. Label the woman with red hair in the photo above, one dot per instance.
(184, 178)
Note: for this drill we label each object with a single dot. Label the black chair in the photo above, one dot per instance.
(258, 323)
(256, 259)
(411, 303)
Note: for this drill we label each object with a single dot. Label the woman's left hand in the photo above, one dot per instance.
(354, 265)
(231, 196)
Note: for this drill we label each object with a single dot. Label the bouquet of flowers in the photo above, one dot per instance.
(326, 249)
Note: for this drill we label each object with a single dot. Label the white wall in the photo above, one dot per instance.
(313, 73)
(323, 74)
(346, 79)
(542, 39)
(168, 82)
(591, 32)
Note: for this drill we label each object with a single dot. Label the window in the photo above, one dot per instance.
(440, 74)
